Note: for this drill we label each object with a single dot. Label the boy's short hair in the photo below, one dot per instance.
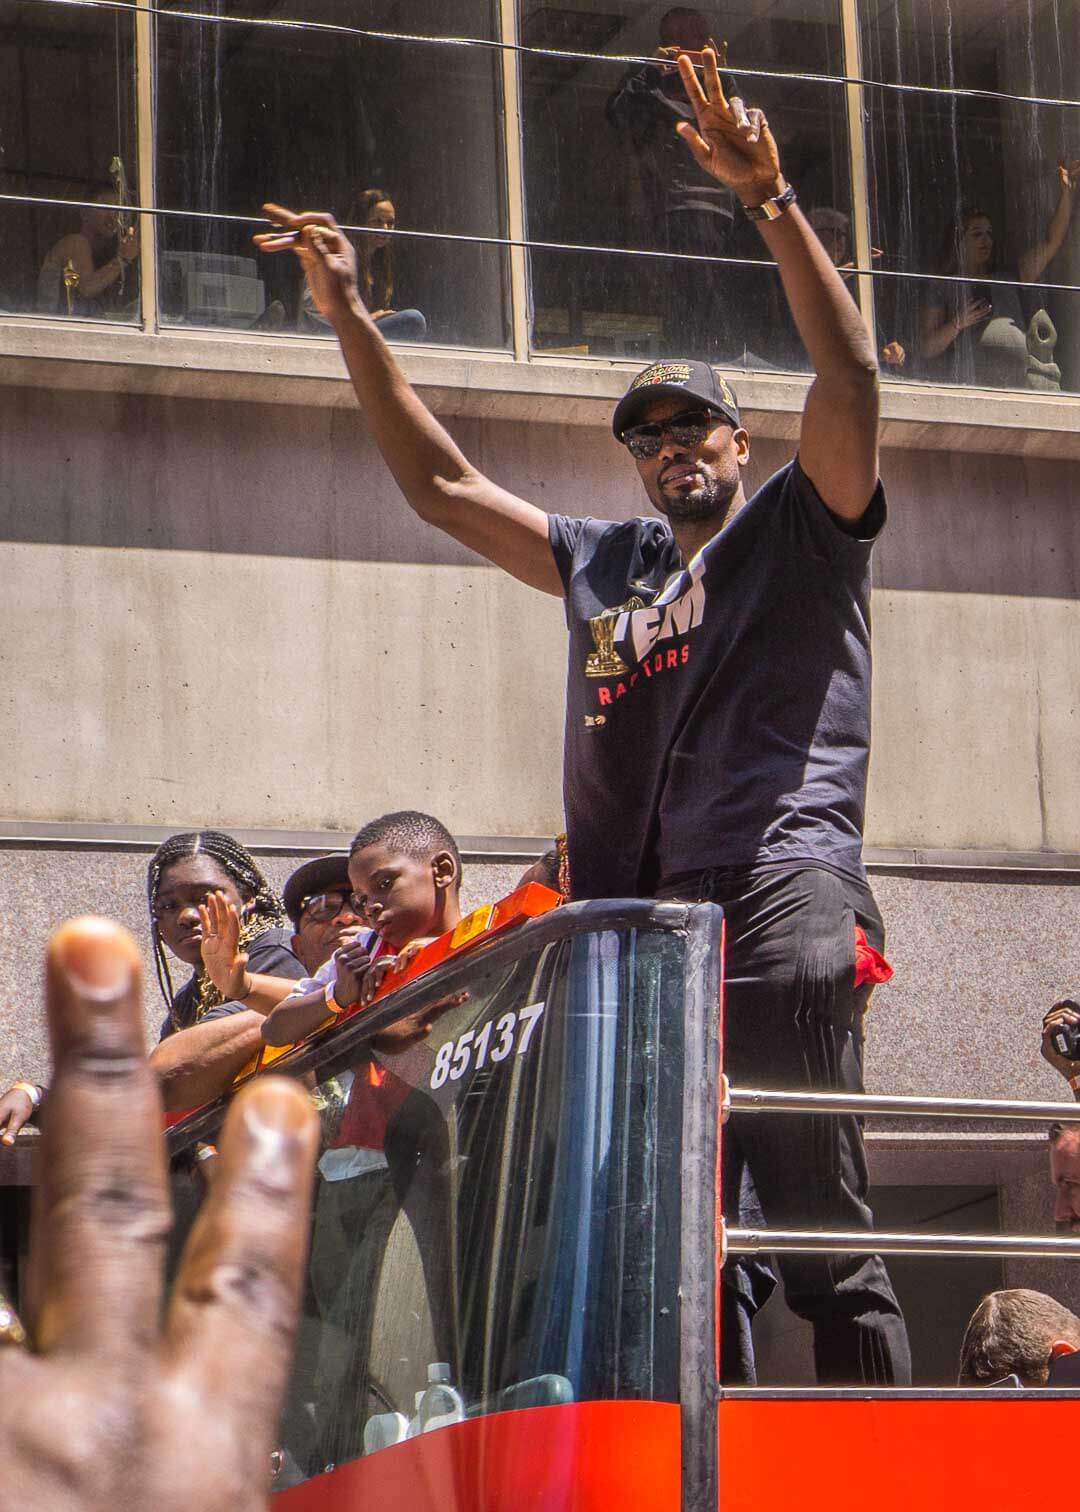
(418, 835)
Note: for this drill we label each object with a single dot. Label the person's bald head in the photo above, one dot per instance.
(683, 26)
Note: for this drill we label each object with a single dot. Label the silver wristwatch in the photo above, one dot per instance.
(771, 209)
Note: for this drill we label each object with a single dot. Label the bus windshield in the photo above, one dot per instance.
(496, 1222)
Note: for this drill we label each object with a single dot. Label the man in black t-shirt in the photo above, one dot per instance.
(718, 706)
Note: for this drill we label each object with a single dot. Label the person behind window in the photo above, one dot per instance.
(689, 211)
(89, 273)
(1016, 1333)
(375, 267)
(977, 332)
(834, 232)
(405, 872)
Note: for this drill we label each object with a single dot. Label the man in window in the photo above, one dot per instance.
(726, 646)
(689, 210)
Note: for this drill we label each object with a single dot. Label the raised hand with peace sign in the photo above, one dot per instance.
(731, 143)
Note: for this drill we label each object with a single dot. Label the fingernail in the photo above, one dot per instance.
(277, 1119)
(97, 957)
(277, 1107)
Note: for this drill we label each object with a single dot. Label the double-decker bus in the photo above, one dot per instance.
(512, 1295)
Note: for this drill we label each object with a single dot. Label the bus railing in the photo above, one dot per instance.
(742, 1241)
(762, 1100)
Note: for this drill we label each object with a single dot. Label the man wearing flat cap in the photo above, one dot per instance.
(318, 900)
(718, 719)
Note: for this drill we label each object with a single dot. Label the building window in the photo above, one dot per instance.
(394, 117)
(966, 186)
(67, 132)
(387, 134)
(605, 168)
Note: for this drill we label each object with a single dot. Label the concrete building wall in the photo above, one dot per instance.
(223, 612)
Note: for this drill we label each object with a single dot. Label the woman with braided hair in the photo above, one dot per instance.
(184, 871)
(205, 1037)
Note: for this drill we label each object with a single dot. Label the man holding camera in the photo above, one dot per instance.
(1061, 1048)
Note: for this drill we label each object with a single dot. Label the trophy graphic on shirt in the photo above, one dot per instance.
(605, 661)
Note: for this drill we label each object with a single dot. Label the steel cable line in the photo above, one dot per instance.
(563, 54)
(532, 246)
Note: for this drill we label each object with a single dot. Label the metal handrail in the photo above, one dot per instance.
(763, 1100)
(740, 1241)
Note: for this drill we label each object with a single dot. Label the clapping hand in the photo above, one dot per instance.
(1068, 173)
(101, 1398)
(731, 143)
(224, 961)
(326, 255)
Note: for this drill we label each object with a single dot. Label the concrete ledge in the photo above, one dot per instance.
(297, 370)
(989, 866)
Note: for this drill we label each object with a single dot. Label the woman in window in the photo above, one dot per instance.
(89, 273)
(977, 333)
(375, 272)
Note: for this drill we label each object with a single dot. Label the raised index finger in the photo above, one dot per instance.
(692, 84)
(101, 1209)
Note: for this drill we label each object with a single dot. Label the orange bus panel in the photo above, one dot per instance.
(901, 1456)
(581, 1457)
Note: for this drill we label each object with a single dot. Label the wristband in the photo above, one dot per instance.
(32, 1092)
(332, 1003)
(771, 209)
(206, 1152)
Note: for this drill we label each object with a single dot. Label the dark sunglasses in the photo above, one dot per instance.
(325, 906)
(687, 429)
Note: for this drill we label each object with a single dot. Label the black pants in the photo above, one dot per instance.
(793, 1020)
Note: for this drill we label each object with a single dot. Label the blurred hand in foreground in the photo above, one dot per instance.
(104, 1406)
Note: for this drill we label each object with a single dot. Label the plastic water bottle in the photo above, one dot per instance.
(440, 1403)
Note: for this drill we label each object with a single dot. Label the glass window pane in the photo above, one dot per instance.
(497, 1200)
(605, 168)
(382, 133)
(67, 132)
(968, 187)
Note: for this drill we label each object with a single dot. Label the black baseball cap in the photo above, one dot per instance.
(679, 380)
(324, 874)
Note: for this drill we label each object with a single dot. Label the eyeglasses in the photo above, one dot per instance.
(326, 905)
(687, 429)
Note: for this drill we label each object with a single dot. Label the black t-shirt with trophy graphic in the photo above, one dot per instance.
(718, 713)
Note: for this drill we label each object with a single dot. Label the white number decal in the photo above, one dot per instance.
(482, 1040)
(462, 1055)
(453, 1059)
(442, 1064)
(505, 1031)
(529, 1017)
